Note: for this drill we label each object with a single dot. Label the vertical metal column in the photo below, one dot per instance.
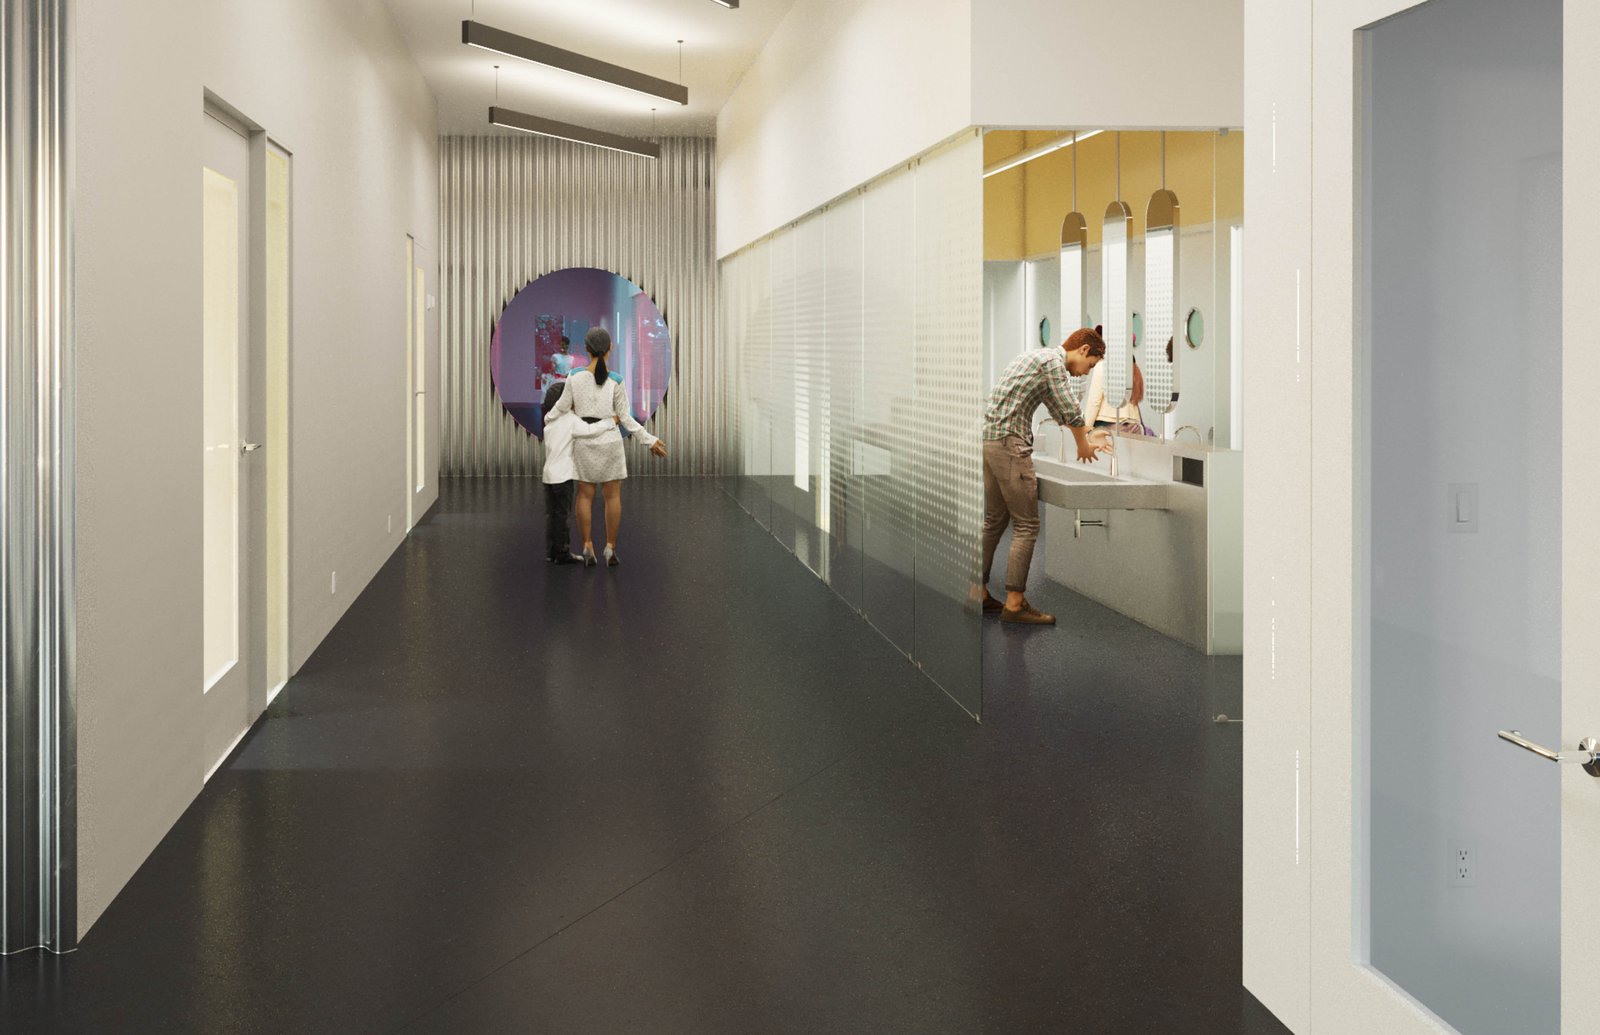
(38, 716)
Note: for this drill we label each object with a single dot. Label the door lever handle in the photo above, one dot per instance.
(248, 447)
(1587, 755)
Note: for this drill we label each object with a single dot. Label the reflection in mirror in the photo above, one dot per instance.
(1194, 328)
(1074, 283)
(1161, 300)
(538, 341)
(1114, 302)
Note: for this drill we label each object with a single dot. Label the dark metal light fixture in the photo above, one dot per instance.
(732, 5)
(476, 34)
(507, 118)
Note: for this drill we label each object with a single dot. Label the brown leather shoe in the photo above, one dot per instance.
(991, 605)
(1027, 614)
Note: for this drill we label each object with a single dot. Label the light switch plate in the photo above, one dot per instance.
(1462, 512)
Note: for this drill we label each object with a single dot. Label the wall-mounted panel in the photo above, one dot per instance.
(513, 209)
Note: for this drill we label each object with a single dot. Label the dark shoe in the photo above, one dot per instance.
(1027, 614)
(588, 557)
(566, 558)
(991, 606)
(611, 558)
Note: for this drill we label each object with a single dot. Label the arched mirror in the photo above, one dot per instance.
(1074, 283)
(1160, 302)
(1114, 303)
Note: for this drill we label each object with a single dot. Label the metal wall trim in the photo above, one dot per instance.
(38, 706)
(515, 208)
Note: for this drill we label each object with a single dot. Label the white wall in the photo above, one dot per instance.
(1136, 64)
(335, 84)
(844, 90)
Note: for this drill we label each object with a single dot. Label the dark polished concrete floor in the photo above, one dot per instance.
(693, 794)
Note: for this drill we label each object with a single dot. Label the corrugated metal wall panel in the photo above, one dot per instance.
(513, 209)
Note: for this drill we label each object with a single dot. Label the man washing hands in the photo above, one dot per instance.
(1010, 484)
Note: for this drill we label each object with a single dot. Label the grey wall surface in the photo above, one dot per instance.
(1463, 296)
(516, 208)
(335, 84)
(855, 383)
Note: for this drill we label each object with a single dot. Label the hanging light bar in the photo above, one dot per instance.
(486, 37)
(1024, 157)
(506, 118)
(732, 5)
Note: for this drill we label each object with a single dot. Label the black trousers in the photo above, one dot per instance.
(558, 517)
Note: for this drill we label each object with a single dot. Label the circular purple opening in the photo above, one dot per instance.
(526, 356)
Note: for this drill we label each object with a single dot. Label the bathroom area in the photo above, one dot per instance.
(1138, 234)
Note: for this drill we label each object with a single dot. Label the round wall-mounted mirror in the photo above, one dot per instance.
(538, 341)
(1195, 328)
(1044, 332)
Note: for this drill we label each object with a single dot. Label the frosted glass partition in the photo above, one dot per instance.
(1159, 349)
(1460, 285)
(853, 346)
(1114, 296)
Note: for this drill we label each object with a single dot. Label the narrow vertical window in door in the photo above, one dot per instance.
(419, 395)
(277, 404)
(223, 201)
(411, 324)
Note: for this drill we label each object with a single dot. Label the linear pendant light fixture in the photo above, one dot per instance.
(1023, 157)
(732, 5)
(486, 37)
(506, 118)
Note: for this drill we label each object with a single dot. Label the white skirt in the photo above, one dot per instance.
(599, 459)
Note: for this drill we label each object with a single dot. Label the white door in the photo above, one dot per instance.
(1420, 568)
(234, 671)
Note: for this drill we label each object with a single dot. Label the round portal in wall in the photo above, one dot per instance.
(538, 341)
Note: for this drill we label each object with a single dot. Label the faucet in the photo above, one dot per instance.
(1199, 439)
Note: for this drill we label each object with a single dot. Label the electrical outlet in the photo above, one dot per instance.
(333, 582)
(1463, 866)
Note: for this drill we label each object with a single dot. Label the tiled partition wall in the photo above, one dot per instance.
(854, 378)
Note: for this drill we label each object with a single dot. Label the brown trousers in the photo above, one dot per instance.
(1010, 497)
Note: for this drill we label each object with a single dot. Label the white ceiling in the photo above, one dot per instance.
(719, 45)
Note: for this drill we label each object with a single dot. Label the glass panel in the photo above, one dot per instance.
(888, 406)
(220, 421)
(946, 447)
(806, 488)
(754, 384)
(781, 410)
(1461, 570)
(843, 306)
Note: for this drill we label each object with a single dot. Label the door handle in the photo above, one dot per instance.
(248, 447)
(1587, 755)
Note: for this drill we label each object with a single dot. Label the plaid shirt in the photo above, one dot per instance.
(1037, 377)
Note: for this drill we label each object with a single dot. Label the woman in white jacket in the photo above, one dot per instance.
(597, 396)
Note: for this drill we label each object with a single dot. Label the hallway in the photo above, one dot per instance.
(695, 793)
